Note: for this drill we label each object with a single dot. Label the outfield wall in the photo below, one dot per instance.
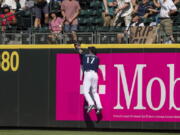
(41, 86)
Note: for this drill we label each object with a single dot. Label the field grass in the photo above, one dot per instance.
(63, 132)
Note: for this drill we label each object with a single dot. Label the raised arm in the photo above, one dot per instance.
(78, 48)
(106, 6)
(157, 4)
(126, 4)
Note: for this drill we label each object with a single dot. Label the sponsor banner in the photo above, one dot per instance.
(132, 87)
(141, 35)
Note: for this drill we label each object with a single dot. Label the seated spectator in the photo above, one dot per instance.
(41, 7)
(108, 13)
(70, 10)
(55, 26)
(123, 37)
(7, 18)
(123, 12)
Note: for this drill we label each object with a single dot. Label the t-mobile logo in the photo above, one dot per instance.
(102, 88)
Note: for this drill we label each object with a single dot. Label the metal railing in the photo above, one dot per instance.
(83, 37)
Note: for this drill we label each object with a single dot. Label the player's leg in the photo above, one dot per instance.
(86, 88)
(94, 83)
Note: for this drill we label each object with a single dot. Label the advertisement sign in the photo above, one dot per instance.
(132, 87)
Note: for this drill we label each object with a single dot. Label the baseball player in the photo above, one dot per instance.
(90, 63)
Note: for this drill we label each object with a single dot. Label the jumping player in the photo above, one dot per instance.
(90, 63)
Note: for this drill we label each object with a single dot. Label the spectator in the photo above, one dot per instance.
(55, 5)
(176, 2)
(70, 10)
(29, 4)
(55, 26)
(108, 13)
(1, 1)
(167, 9)
(123, 12)
(14, 4)
(20, 4)
(153, 13)
(7, 18)
(41, 7)
(142, 10)
(123, 37)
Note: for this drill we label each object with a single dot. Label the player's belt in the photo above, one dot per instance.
(89, 70)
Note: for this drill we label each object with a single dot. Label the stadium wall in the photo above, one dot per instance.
(41, 86)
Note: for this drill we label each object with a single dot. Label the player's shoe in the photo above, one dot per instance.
(90, 108)
(98, 111)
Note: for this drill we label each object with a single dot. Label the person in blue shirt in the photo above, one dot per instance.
(90, 63)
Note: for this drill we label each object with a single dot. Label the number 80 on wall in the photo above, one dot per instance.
(9, 61)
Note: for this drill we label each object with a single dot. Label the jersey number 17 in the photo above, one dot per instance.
(90, 60)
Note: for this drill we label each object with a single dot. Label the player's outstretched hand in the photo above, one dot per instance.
(77, 45)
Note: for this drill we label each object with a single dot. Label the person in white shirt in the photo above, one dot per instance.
(12, 4)
(167, 9)
(123, 12)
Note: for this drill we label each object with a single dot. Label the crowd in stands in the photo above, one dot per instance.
(63, 15)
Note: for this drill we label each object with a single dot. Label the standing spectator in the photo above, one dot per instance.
(7, 18)
(20, 4)
(123, 12)
(176, 2)
(14, 4)
(1, 1)
(70, 10)
(55, 26)
(41, 6)
(108, 13)
(167, 9)
(142, 10)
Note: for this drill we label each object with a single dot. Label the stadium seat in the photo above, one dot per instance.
(83, 12)
(98, 21)
(103, 29)
(96, 4)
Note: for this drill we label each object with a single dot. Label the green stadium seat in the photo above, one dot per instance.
(83, 12)
(89, 12)
(98, 21)
(96, 4)
(97, 12)
(80, 20)
(117, 29)
(90, 20)
(83, 29)
(102, 29)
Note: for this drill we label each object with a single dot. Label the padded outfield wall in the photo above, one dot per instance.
(139, 87)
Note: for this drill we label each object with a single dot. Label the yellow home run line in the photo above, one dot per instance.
(101, 46)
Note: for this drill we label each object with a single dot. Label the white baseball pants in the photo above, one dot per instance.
(90, 83)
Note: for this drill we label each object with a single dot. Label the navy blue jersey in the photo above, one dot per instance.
(89, 62)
